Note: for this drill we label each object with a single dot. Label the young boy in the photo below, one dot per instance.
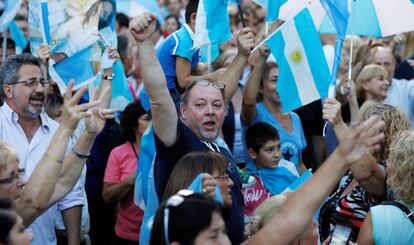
(178, 57)
(272, 173)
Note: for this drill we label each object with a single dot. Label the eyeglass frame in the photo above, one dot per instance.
(174, 201)
(13, 177)
(216, 84)
(44, 82)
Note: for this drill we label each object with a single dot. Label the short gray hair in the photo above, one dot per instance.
(9, 70)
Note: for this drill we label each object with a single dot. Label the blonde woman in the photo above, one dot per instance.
(389, 224)
(372, 83)
(268, 209)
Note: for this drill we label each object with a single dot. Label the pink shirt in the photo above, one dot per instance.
(122, 163)
(253, 197)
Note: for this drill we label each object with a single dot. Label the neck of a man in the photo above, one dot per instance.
(28, 123)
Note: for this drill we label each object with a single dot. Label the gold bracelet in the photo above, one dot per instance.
(53, 158)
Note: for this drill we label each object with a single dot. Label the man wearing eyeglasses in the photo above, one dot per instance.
(202, 109)
(29, 130)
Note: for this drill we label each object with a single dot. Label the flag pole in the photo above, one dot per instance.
(243, 21)
(209, 58)
(351, 51)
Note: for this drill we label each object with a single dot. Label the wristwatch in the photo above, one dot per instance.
(109, 77)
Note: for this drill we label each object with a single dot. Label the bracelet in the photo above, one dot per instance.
(79, 155)
(53, 158)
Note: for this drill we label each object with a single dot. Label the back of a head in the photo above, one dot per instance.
(190, 9)
(401, 167)
(395, 121)
(259, 134)
(265, 212)
(185, 220)
(191, 165)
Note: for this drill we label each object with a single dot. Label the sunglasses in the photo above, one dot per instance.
(13, 177)
(217, 85)
(32, 82)
(174, 201)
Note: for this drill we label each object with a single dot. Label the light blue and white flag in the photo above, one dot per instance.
(10, 10)
(303, 71)
(145, 195)
(337, 11)
(197, 186)
(376, 18)
(212, 23)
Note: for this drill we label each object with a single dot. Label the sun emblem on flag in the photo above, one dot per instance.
(296, 56)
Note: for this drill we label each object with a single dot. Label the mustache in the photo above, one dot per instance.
(37, 96)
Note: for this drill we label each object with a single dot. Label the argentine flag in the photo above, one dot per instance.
(10, 10)
(303, 71)
(212, 23)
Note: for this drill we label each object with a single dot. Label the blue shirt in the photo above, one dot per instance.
(292, 143)
(179, 43)
(391, 226)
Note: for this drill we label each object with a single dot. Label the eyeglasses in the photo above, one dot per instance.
(32, 82)
(225, 176)
(174, 201)
(13, 177)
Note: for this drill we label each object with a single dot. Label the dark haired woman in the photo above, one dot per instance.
(120, 175)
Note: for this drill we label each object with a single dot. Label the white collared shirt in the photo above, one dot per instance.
(30, 154)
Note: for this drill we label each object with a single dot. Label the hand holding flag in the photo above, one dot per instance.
(245, 41)
(143, 26)
(109, 57)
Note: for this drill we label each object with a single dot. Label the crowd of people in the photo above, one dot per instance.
(227, 156)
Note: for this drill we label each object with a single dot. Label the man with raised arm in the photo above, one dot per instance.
(202, 109)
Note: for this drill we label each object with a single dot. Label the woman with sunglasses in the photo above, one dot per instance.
(195, 163)
(192, 219)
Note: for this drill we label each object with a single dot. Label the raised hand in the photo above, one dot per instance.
(143, 26)
(209, 184)
(264, 50)
(109, 57)
(96, 122)
(362, 140)
(245, 41)
(44, 52)
(71, 111)
(332, 111)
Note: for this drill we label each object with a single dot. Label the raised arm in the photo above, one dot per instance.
(251, 89)
(366, 172)
(245, 42)
(164, 114)
(75, 161)
(298, 210)
(42, 182)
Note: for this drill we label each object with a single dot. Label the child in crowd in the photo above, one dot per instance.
(272, 173)
(178, 57)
